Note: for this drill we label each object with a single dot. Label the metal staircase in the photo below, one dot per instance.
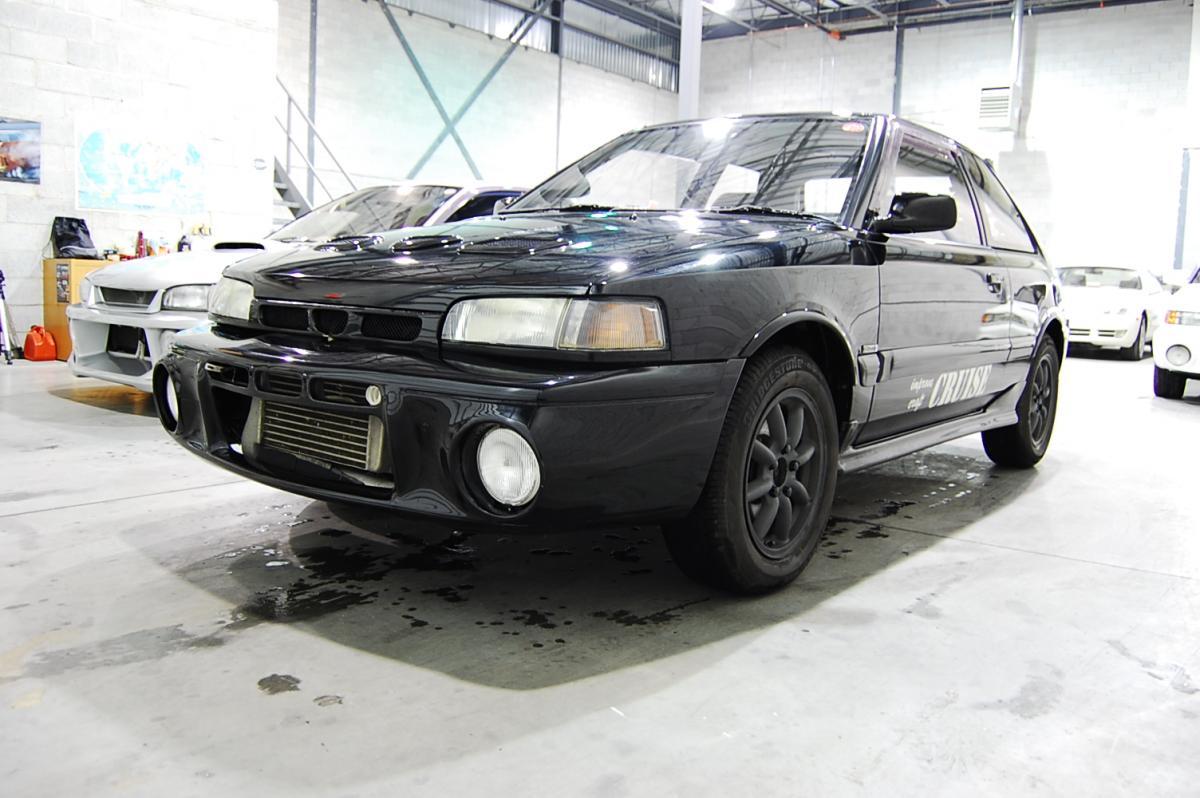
(297, 177)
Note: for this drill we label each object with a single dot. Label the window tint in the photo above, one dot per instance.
(923, 169)
(482, 205)
(1005, 228)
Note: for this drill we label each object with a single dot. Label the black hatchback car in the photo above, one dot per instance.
(698, 324)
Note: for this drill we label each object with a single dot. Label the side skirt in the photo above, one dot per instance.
(1001, 413)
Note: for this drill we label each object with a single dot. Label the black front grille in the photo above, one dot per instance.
(330, 322)
(343, 393)
(279, 382)
(230, 375)
(120, 296)
(391, 327)
(285, 317)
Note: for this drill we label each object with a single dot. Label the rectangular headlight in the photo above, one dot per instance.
(1182, 317)
(597, 325)
(231, 298)
(186, 297)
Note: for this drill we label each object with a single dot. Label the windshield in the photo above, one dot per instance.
(1099, 277)
(371, 210)
(791, 165)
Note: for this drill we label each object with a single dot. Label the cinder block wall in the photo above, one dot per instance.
(202, 67)
(379, 119)
(1096, 165)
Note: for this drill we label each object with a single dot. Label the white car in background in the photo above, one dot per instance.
(1112, 308)
(1177, 348)
(131, 311)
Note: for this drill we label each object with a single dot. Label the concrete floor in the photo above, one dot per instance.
(168, 629)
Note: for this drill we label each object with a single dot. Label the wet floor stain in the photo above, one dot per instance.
(327, 700)
(143, 645)
(627, 618)
(279, 683)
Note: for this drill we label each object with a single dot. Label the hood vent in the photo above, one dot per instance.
(515, 245)
(418, 243)
(350, 244)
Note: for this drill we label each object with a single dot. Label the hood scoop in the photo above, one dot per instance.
(517, 245)
(349, 244)
(238, 245)
(419, 243)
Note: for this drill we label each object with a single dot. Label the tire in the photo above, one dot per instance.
(781, 411)
(1169, 384)
(1137, 349)
(1023, 444)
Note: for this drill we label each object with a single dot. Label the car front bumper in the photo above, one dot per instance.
(620, 445)
(1107, 331)
(90, 353)
(1186, 336)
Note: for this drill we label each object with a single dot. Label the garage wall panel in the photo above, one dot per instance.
(202, 68)
(379, 120)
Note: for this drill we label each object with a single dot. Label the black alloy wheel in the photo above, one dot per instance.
(770, 488)
(1023, 444)
(782, 462)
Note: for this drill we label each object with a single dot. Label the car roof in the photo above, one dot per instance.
(826, 115)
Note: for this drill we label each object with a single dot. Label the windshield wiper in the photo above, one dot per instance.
(763, 210)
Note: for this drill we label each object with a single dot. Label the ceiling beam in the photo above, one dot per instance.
(645, 17)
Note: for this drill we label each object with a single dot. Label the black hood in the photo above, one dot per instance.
(549, 251)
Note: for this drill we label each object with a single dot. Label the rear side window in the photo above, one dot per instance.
(922, 168)
(1005, 227)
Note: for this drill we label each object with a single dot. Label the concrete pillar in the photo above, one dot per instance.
(690, 32)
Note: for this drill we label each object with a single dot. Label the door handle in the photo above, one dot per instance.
(995, 282)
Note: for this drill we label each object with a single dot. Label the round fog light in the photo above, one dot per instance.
(508, 468)
(1178, 354)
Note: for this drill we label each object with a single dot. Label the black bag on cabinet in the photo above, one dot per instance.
(71, 239)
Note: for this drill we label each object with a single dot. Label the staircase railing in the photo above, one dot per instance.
(296, 134)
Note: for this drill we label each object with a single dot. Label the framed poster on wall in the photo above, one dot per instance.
(20, 150)
(140, 168)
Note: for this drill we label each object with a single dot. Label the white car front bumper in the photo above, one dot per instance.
(1186, 336)
(1105, 330)
(96, 353)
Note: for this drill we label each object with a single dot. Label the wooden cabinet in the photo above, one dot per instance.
(61, 278)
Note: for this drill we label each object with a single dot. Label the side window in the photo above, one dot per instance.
(480, 205)
(924, 169)
(1005, 227)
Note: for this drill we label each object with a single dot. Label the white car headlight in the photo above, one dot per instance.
(186, 297)
(558, 323)
(231, 298)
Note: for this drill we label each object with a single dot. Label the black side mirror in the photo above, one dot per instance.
(918, 213)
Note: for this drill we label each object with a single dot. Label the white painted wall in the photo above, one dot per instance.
(203, 66)
(379, 120)
(1096, 165)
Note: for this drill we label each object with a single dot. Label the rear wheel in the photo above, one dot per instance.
(1138, 349)
(1023, 444)
(1169, 384)
(770, 488)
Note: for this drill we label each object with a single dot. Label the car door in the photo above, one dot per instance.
(945, 303)
(1008, 237)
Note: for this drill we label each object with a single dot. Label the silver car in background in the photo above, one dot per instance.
(131, 311)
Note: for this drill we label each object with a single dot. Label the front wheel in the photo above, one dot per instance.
(1023, 444)
(1138, 349)
(770, 489)
(1169, 384)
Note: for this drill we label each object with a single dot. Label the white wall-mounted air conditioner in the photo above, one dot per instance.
(999, 107)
